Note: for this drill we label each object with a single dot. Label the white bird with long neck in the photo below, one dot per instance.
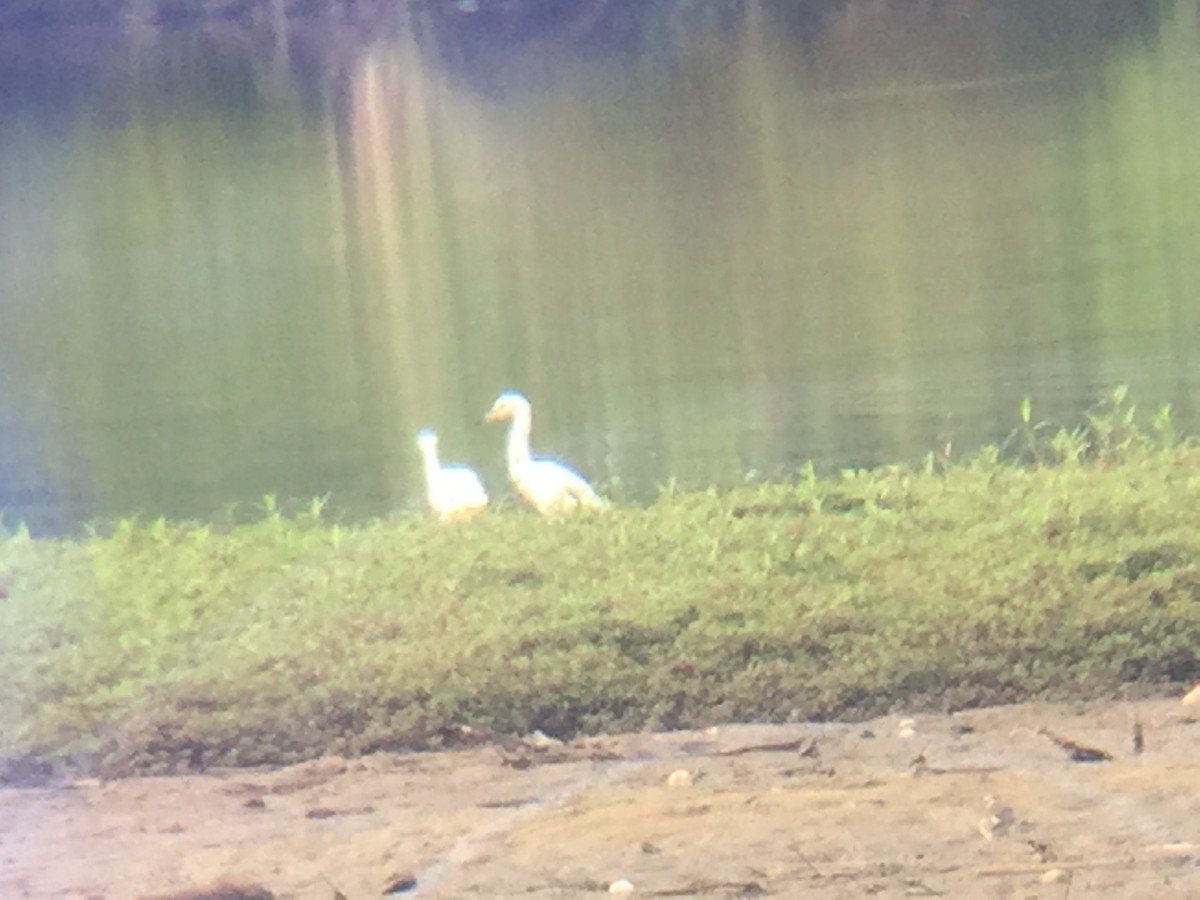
(548, 485)
(454, 490)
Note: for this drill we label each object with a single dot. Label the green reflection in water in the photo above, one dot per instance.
(748, 254)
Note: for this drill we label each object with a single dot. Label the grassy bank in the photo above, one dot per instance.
(1066, 565)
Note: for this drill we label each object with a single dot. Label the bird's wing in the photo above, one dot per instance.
(575, 486)
(466, 482)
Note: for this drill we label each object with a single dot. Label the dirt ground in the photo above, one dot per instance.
(976, 804)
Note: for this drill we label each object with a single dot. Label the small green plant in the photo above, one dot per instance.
(1163, 426)
(1111, 430)
(1109, 434)
(1031, 451)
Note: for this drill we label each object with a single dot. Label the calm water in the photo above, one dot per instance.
(233, 266)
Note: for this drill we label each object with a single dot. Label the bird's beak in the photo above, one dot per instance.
(492, 415)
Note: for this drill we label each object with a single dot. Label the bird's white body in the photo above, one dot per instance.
(454, 491)
(548, 485)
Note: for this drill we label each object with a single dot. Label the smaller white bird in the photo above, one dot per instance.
(548, 485)
(454, 490)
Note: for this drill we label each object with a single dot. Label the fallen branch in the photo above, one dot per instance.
(1077, 752)
(806, 746)
(740, 889)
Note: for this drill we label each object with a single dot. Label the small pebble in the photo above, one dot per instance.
(621, 887)
(401, 883)
(679, 778)
(1054, 876)
(1192, 697)
(906, 733)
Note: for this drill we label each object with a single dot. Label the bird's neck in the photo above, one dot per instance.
(518, 441)
(432, 466)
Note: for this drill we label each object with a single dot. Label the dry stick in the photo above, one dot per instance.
(708, 887)
(1001, 871)
(783, 746)
(913, 884)
(812, 867)
(963, 770)
(1078, 752)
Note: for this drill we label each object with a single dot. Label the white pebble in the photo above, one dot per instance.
(906, 733)
(679, 778)
(539, 740)
(621, 887)
(1192, 697)
(1054, 876)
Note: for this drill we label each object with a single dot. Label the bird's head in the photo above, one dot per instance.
(426, 438)
(507, 406)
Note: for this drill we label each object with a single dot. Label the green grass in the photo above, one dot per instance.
(1064, 565)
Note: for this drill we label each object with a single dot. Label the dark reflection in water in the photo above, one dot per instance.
(712, 241)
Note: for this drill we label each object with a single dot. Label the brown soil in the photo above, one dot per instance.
(820, 811)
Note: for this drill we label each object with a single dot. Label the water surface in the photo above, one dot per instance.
(234, 264)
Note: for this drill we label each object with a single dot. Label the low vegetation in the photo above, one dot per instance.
(1063, 564)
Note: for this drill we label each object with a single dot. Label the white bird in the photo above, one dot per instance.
(547, 484)
(454, 490)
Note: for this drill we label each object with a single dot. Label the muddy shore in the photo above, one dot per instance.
(992, 802)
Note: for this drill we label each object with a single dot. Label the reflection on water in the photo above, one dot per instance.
(234, 264)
